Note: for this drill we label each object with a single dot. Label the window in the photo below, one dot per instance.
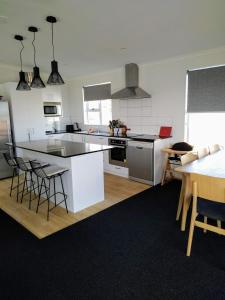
(206, 128)
(97, 104)
(205, 118)
(97, 112)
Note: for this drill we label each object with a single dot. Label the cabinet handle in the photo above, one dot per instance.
(118, 168)
(139, 147)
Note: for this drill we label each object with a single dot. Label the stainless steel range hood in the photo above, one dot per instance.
(132, 90)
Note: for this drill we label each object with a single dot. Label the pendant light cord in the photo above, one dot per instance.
(34, 51)
(53, 47)
(21, 62)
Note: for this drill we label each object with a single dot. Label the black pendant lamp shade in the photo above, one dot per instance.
(23, 84)
(54, 78)
(37, 82)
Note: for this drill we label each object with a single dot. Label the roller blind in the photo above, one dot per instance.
(97, 92)
(206, 90)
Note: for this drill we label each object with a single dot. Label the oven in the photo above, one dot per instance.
(118, 155)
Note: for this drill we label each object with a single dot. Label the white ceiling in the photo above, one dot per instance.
(90, 33)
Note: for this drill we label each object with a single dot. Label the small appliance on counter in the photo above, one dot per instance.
(72, 127)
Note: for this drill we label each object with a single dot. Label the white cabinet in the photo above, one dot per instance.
(67, 137)
(101, 140)
(116, 170)
(27, 112)
(93, 139)
(56, 136)
(77, 137)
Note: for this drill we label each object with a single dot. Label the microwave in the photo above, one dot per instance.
(52, 109)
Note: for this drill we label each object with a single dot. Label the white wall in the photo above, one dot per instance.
(164, 80)
(27, 109)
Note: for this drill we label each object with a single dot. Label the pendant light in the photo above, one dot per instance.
(22, 85)
(36, 81)
(54, 78)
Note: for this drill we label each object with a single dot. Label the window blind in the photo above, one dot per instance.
(97, 92)
(206, 90)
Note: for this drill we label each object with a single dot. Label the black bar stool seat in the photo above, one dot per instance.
(47, 175)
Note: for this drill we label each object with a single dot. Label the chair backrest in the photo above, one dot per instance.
(10, 161)
(214, 148)
(38, 169)
(209, 188)
(21, 164)
(203, 152)
(188, 158)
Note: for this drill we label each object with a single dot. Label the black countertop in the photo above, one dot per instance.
(62, 148)
(131, 136)
(101, 133)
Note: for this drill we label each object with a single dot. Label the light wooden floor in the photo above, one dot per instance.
(116, 189)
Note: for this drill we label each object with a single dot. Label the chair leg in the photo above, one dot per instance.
(13, 175)
(218, 223)
(191, 232)
(31, 183)
(48, 200)
(18, 187)
(63, 192)
(205, 221)
(54, 190)
(39, 194)
(24, 182)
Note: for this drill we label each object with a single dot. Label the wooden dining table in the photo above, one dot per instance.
(211, 165)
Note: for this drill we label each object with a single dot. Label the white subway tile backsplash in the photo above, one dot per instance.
(137, 114)
(134, 111)
(146, 102)
(147, 120)
(134, 121)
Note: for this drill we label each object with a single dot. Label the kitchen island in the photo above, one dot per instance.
(84, 180)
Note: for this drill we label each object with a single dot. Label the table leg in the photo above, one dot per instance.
(186, 201)
(181, 198)
(165, 169)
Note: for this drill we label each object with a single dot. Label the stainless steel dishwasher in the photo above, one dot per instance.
(140, 159)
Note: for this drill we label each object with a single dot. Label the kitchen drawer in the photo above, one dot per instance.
(116, 170)
(92, 139)
(56, 136)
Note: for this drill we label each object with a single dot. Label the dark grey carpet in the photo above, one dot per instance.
(133, 250)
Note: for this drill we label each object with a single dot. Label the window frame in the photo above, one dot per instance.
(99, 110)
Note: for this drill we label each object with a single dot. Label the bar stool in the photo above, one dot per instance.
(28, 183)
(47, 175)
(12, 163)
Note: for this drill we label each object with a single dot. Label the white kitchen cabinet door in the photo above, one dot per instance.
(27, 113)
(93, 139)
(55, 136)
(77, 137)
(67, 137)
(116, 170)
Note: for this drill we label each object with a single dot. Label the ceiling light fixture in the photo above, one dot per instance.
(54, 78)
(36, 81)
(22, 85)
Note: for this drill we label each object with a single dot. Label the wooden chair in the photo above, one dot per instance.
(208, 200)
(214, 148)
(203, 152)
(172, 159)
(185, 159)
